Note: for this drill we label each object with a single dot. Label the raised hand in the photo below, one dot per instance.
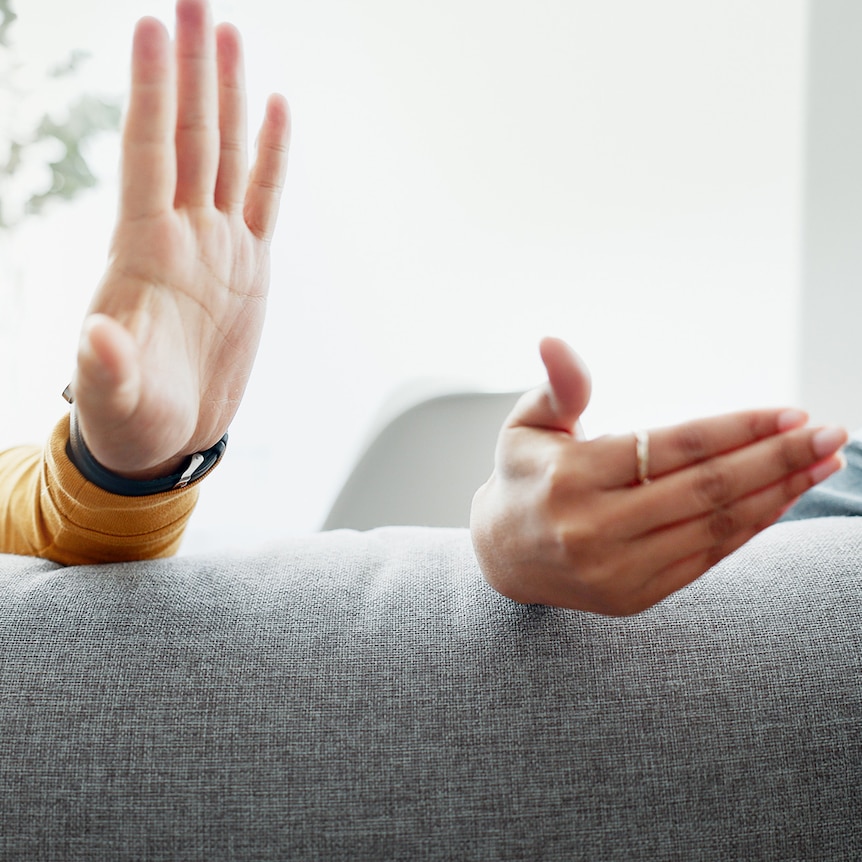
(171, 334)
(565, 521)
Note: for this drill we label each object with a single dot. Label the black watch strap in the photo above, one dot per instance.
(199, 465)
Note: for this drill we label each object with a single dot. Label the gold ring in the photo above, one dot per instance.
(642, 453)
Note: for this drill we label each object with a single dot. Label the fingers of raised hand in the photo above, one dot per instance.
(267, 175)
(149, 160)
(233, 168)
(171, 140)
(197, 130)
(185, 136)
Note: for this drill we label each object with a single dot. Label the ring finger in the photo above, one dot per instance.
(679, 446)
(718, 483)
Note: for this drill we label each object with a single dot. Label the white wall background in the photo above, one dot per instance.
(467, 176)
(831, 353)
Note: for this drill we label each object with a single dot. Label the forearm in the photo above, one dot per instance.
(48, 509)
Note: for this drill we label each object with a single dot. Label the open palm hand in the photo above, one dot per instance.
(172, 332)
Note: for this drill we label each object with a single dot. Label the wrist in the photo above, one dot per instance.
(187, 470)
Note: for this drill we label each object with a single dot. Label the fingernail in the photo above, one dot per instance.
(828, 440)
(791, 419)
(827, 468)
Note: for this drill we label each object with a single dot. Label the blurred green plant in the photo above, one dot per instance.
(58, 145)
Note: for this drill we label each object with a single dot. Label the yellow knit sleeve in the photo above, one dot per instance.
(48, 509)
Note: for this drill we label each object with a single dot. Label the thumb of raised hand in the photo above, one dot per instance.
(107, 379)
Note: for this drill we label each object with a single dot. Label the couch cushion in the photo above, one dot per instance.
(367, 696)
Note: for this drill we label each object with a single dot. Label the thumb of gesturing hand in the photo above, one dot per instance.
(559, 403)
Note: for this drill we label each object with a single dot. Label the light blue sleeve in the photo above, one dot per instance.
(840, 494)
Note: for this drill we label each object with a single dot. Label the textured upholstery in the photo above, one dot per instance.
(367, 696)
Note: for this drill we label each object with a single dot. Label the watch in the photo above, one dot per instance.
(198, 465)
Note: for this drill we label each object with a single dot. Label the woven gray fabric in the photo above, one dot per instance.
(367, 696)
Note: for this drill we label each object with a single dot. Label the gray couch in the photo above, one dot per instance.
(367, 696)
